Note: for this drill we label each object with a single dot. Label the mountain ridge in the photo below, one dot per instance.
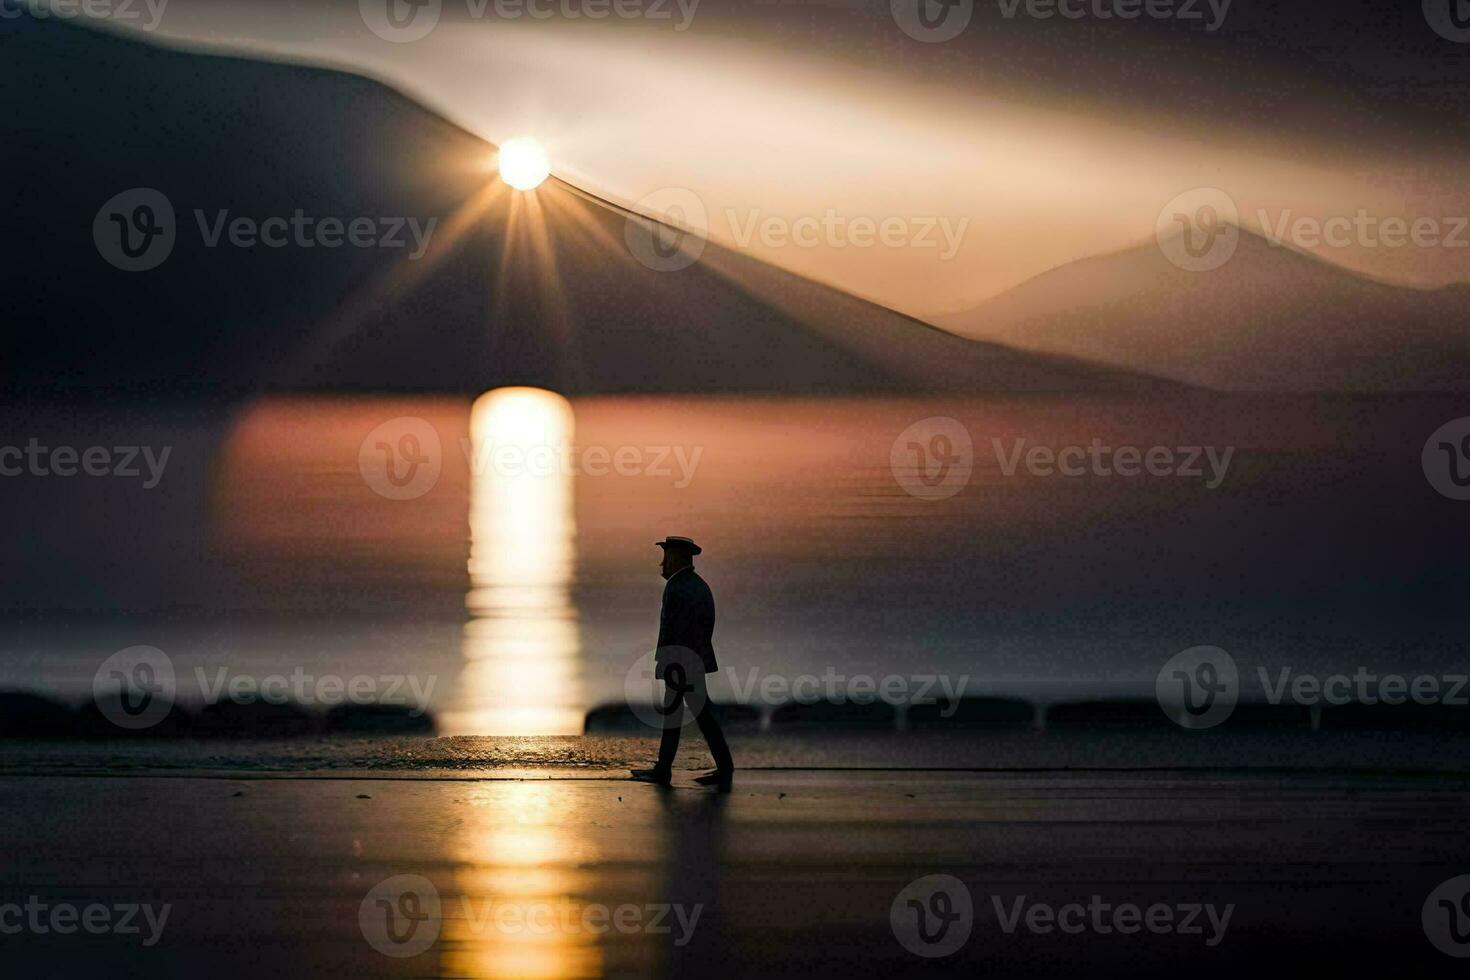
(1271, 317)
(500, 299)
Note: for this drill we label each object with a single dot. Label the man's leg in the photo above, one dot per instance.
(673, 713)
(709, 727)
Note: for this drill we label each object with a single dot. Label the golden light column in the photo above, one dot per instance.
(522, 645)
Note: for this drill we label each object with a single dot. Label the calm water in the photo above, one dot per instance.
(521, 580)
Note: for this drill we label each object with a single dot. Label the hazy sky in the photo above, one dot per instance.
(1019, 145)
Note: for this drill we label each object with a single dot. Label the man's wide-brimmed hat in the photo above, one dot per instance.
(679, 543)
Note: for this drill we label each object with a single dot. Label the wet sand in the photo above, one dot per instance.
(269, 869)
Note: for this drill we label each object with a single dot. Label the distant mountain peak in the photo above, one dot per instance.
(1268, 316)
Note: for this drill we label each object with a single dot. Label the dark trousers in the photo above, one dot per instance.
(689, 693)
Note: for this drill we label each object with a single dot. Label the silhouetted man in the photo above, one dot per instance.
(686, 653)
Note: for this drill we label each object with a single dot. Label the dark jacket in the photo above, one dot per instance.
(687, 619)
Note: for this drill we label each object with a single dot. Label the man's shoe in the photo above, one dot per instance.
(660, 776)
(716, 777)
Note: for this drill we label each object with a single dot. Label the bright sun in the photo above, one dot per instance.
(523, 163)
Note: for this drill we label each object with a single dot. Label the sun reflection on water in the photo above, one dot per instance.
(522, 646)
(521, 877)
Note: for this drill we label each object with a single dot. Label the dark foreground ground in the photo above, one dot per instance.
(287, 862)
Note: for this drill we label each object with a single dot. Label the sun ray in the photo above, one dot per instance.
(573, 208)
(528, 259)
(402, 277)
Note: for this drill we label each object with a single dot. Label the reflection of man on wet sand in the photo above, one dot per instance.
(685, 655)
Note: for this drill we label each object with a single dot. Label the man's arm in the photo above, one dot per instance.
(664, 630)
(676, 618)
